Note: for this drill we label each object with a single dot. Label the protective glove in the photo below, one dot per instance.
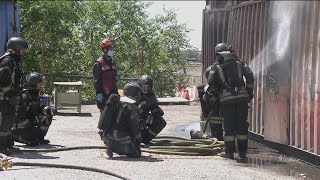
(250, 92)
(142, 123)
(117, 77)
(100, 97)
(142, 107)
(47, 111)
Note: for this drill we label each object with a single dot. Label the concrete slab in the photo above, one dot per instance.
(173, 101)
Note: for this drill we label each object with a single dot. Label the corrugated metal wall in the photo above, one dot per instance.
(215, 21)
(304, 101)
(10, 22)
(280, 41)
(248, 34)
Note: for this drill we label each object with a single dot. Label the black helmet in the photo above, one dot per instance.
(145, 79)
(132, 90)
(33, 79)
(223, 47)
(16, 44)
(146, 83)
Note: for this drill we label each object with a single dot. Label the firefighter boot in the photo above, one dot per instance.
(229, 149)
(44, 141)
(10, 142)
(136, 151)
(3, 146)
(242, 148)
(109, 147)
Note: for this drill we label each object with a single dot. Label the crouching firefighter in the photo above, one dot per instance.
(150, 114)
(33, 120)
(120, 123)
(10, 88)
(235, 95)
(210, 106)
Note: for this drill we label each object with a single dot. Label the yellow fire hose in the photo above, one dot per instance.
(161, 145)
(170, 145)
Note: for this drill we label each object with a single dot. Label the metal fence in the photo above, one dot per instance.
(248, 34)
(280, 41)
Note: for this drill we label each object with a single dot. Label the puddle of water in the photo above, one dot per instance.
(260, 156)
(265, 158)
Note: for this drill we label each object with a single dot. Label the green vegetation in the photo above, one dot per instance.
(64, 38)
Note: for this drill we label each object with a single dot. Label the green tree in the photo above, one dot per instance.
(64, 38)
(49, 28)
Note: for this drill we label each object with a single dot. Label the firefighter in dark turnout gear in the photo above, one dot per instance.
(105, 73)
(33, 120)
(150, 113)
(10, 88)
(210, 105)
(120, 123)
(235, 94)
(201, 91)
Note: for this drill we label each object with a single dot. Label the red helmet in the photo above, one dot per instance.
(107, 42)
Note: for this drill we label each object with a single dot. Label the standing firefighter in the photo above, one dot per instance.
(227, 80)
(10, 88)
(150, 113)
(210, 106)
(105, 73)
(120, 123)
(33, 120)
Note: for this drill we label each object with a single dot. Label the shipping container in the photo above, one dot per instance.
(10, 22)
(280, 42)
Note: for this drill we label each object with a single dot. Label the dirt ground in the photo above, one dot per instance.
(71, 129)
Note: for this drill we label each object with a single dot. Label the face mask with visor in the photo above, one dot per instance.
(146, 88)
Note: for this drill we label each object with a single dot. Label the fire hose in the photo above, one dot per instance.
(170, 145)
(5, 164)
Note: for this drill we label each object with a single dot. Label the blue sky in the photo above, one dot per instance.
(189, 12)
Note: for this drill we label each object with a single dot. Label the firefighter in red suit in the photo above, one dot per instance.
(105, 73)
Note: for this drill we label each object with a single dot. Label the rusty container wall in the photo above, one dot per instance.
(215, 23)
(248, 34)
(284, 56)
(304, 101)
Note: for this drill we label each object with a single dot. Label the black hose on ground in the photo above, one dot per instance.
(6, 164)
(103, 171)
(170, 145)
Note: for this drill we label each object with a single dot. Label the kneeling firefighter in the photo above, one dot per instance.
(235, 94)
(33, 120)
(120, 123)
(210, 105)
(150, 114)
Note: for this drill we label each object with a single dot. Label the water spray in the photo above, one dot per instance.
(282, 17)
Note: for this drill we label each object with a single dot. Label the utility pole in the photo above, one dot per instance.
(141, 55)
(42, 52)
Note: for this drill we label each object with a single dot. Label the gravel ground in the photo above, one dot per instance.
(70, 129)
